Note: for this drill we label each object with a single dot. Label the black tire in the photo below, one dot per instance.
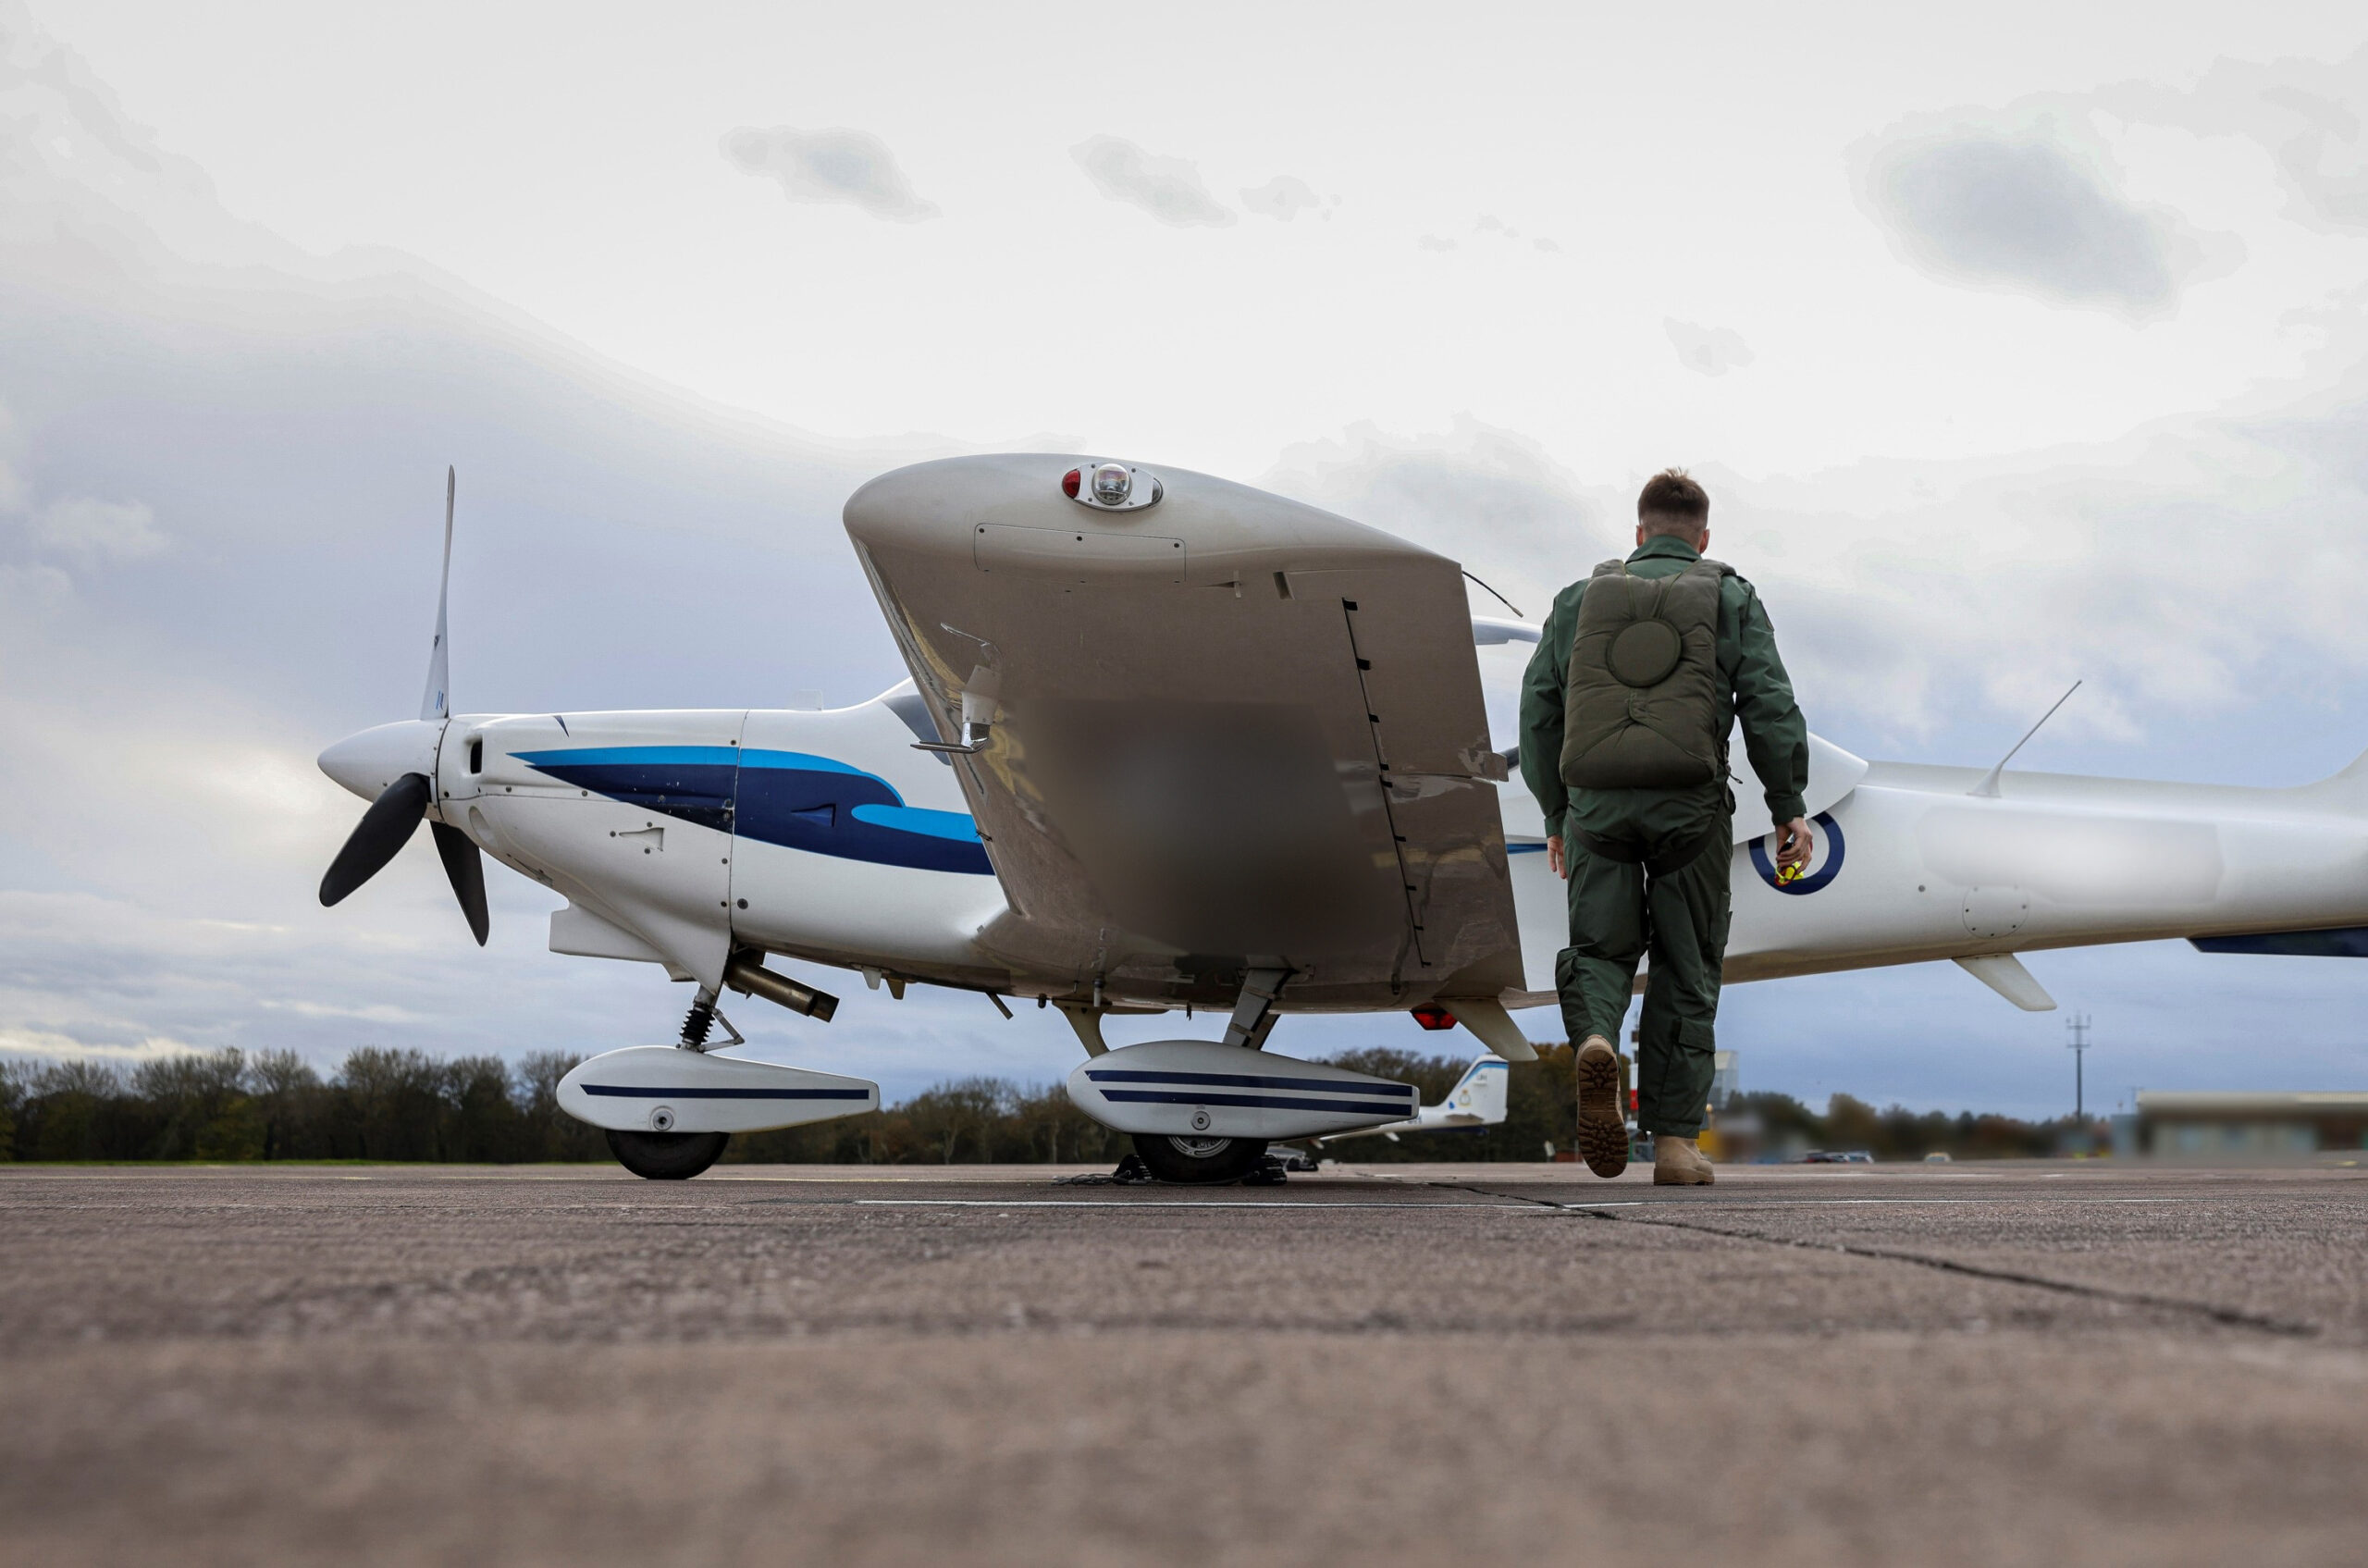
(1199, 1162)
(667, 1156)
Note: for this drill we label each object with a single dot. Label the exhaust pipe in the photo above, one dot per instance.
(750, 978)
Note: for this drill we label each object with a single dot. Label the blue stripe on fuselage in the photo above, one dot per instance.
(793, 798)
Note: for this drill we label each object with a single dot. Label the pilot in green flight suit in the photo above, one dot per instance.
(1640, 673)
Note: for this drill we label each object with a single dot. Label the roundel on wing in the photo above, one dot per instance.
(1825, 863)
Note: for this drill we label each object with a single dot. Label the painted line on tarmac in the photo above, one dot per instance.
(1748, 1203)
(1199, 1203)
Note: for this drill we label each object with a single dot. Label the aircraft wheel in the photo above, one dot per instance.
(1200, 1161)
(667, 1156)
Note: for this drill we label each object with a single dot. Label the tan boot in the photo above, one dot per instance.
(1677, 1162)
(1603, 1129)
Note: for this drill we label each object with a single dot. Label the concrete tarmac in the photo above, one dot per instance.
(1975, 1363)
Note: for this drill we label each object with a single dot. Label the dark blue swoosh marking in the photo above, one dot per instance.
(692, 784)
(831, 809)
(621, 1091)
(2339, 942)
(796, 800)
(1245, 1080)
(1765, 867)
(1253, 1102)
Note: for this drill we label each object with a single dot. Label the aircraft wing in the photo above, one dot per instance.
(1219, 732)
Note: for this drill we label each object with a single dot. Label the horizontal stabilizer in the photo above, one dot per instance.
(2004, 973)
(2344, 942)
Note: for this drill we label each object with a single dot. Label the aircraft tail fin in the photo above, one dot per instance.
(1481, 1091)
(2348, 786)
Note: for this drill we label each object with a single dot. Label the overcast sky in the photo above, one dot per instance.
(2018, 345)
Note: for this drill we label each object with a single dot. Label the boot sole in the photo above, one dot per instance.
(1603, 1132)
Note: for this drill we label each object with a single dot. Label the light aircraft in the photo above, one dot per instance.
(1477, 1101)
(1171, 742)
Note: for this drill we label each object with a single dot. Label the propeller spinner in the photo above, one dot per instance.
(394, 767)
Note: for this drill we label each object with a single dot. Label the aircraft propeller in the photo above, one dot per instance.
(392, 817)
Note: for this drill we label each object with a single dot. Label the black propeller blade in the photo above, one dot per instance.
(384, 829)
(464, 868)
(392, 817)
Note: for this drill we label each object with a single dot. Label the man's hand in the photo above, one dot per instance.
(1554, 856)
(1797, 845)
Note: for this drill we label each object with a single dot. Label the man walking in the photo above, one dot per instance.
(1642, 671)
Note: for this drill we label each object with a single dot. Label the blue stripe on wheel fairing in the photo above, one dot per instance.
(627, 1092)
(1246, 1081)
(1256, 1102)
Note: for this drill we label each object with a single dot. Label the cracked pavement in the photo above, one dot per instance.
(1966, 1363)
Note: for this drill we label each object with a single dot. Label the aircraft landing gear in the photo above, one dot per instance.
(667, 1156)
(1200, 1161)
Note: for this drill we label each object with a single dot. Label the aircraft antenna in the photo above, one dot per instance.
(1987, 787)
(1501, 598)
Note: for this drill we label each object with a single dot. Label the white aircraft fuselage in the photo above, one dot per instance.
(680, 835)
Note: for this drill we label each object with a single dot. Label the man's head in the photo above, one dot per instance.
(1674, 506)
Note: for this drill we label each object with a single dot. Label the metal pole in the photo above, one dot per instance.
(2078, 1028)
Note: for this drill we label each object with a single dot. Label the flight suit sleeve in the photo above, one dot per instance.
(1541, 711)
(1775, 737)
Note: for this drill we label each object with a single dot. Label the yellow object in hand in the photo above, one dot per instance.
(1789, 874)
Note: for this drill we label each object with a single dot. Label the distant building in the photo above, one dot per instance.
(2208, 1124)
(1724, 1083)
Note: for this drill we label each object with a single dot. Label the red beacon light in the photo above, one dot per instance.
(1433, 1016)
(1071, 481)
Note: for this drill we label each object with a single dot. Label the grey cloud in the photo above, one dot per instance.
(1168, 189)
(2329, 133)
(86, 529)
(1436, 243)
(2308, 115)
(1282, 197)
(1713, 351)
(1489, 223)
(832, 165)
(2029, 211)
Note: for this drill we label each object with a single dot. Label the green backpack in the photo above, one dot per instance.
(1640, 707)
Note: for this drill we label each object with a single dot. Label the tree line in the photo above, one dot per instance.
(390, 1105)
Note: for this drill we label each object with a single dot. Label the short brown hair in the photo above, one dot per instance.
(1672, 503)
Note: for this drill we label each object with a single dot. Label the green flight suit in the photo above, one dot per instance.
(1619, 910)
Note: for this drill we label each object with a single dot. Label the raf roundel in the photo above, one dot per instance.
(1824, 865)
